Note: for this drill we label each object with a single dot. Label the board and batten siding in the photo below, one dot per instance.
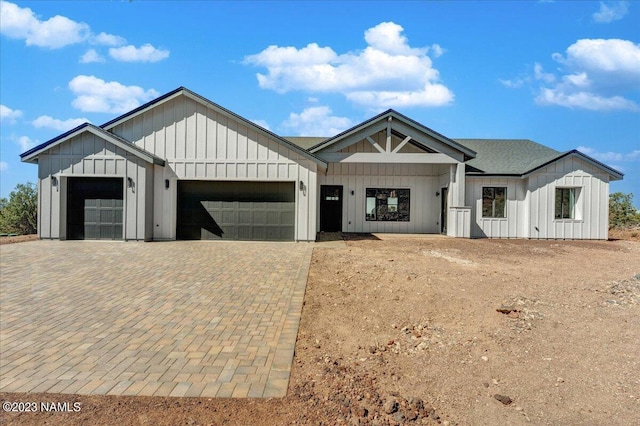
(514, 225)
(88, 155)
(422, 179)
(592, 217)
(203, 143)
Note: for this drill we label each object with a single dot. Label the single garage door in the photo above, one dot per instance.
(262, 211)
(94, 208)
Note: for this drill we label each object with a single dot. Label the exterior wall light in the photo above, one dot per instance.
(166, 183)
(437, 194)
(54, 181)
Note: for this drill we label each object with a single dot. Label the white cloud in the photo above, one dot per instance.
(91, 56)
(144, 53)
(430, 95)
(584, 100)
(598, 74)
(96, 95)
(611, 11)
(108, 40)
(316, 121)
(437, 50)
(539, 74)
(388, 72)
(3, 166)
(54, 33)
(262, 123)
(26, 143)
(60, 31)
(8, 115)
(56, 124)
(611, 157)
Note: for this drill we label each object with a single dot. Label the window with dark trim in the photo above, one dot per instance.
(494, 201)
(388, 205)
(565, 203)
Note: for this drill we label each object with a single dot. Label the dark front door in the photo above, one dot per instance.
(330, 208)
(444, 208)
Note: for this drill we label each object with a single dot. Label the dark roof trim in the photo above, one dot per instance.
(483, 175)
(199, 98)
(51, 141)
(468, 153)
(616, 175)
(32, 154)
(117, 120)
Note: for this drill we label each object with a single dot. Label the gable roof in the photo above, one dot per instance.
(506, 156)
(519, 157)
(305, 142)
(206, 102)
(31, 156)
(394, 115)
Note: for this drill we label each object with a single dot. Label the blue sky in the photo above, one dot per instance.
(565, 73)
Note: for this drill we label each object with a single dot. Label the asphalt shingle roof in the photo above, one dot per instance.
(508, 156)
(305, 142)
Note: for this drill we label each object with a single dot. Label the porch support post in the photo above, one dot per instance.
(388, 148)
(459, 215)
(460, 183)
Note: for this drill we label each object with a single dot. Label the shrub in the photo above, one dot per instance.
(622, 212)
(19, 214)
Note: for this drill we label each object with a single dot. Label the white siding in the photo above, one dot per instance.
(512, 226)
(422, 180)
(592, 218)
(202, 143)
(88, 155)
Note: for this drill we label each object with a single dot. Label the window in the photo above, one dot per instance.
(387, 205)
(565, 203)
(494, 201)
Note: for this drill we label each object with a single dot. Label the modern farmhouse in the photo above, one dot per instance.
(183, 167)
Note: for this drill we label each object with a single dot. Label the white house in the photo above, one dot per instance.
(183, 167)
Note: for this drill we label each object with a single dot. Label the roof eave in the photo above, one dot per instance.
(260, 129)
(201, 99)
(468, 153)
(31, 156)
(613, 173)
(142, 108)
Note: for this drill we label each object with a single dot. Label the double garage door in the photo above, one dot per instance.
(262, 211)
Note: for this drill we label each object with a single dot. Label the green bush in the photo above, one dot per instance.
(622, 212)
(19, 214)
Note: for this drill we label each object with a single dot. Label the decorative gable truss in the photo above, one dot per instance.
(391, 138)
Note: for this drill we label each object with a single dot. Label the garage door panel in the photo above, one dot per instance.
(95, 208)
(236, 210)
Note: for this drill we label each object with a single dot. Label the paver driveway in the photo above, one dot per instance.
(167, 319)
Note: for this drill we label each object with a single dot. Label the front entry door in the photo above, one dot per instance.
(444, 208)
(331, 208)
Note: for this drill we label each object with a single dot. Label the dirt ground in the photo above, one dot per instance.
(434, 330)
(18, 239)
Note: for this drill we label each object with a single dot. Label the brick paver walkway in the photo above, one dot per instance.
(212, 319)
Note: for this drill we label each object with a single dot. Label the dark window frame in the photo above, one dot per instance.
(388, 204)
(491, 202)
(565, 203)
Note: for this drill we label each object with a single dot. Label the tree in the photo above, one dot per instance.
(622, 212)
(19, 214)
